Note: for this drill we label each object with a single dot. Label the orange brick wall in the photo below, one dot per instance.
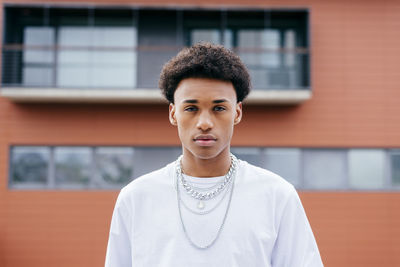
(355, 60)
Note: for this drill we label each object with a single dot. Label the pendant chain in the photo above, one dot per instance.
(211, 194)
(231, 173)
(206, 211)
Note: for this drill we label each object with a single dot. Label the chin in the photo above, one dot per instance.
(205, 154)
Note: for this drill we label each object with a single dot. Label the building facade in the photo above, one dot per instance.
(81, 115)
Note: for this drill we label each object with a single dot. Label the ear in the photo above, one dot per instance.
(172, 118)
(238, 115)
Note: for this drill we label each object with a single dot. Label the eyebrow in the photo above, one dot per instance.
(195, 101)
(220, 101)
(190, 101)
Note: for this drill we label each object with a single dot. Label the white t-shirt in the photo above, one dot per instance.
(265, 226)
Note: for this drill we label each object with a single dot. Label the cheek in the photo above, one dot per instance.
(183, 128)
(228, 121)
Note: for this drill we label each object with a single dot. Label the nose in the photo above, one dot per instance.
(204, 121)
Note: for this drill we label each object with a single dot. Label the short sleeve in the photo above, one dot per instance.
(295, 244)
(119, 245)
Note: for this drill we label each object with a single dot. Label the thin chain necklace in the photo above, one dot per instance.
(204, 189)
(178, 173)
(203, 212)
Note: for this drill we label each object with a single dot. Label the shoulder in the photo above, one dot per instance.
(264, 180)
(150, 183)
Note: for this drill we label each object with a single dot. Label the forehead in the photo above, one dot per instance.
(204, 89)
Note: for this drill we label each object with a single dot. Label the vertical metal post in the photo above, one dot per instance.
(51, 175)
(10, 166)
(179, 40)
(223, 25)
(135, 51)
(93, 170)
(54, 46)
(90, 48)
(267, 19)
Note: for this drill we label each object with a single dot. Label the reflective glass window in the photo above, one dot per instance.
(147, 159)
(366, 168)
(29, 165)
(324, 169)
(395, 168)
(38, 58)
(96, 57)
(284, 162)
(70, 47)
(114, 166)
(252, 155)
(73, 166)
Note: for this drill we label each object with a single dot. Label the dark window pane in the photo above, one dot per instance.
(72, 166)
(29, 165)
(114, 17)
(246, 19)
(23, 26)
(395, 162)
(158, 42)
(201, 19)
(114, 166)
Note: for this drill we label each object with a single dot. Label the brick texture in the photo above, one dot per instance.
(355, 60)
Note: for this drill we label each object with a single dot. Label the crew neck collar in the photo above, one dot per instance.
(203, 180)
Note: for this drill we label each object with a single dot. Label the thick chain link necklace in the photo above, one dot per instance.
(178, 175)
(200, 210)
(199, 194)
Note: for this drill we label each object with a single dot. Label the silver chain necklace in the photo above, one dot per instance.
(178, 173)
(203, 212)
(203, 189)
(200, 194)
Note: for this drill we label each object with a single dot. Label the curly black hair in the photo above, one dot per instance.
(205, 60)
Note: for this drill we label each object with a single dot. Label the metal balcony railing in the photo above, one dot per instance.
(101, 67)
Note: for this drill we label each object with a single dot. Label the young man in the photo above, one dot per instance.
(208, 208)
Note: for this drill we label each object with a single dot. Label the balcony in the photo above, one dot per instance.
(105, 55)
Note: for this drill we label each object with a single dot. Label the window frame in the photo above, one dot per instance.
(176, 150)
(19, 94)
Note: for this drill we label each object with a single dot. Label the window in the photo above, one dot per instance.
(29, 166)
(366, 168)
(99, 47)
(285, 162)
(106, 167)
(37, 67)
(324, 169)
(69, 48)
(249, 154)
(273, 44)
(113, 166)
(148, 159)
(72, 166)
(395, 167)
(82, 168)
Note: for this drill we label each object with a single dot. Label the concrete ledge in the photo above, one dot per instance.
(57, 95)
(145, 96)
(278, 97)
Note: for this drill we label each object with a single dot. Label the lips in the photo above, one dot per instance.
(205, 140)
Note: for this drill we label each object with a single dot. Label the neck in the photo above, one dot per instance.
(197, 167)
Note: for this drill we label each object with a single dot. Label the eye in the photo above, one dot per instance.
(219, 108)
(190, 108)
